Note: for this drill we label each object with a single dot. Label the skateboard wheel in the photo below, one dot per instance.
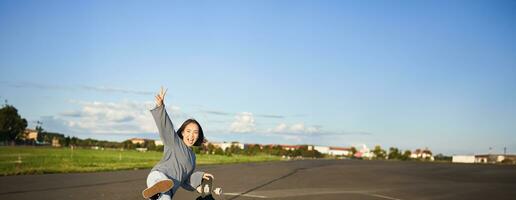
(217, 191)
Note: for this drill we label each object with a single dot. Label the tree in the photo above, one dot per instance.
(150, 145)
(67, 141)
(277, 150)
(234, 149)
(39, 129)
(161, 148)
(12, 125)
(47, 137)
(353, 151)
(441, 157)
(210, 148)
(127, 144)
(379, 152)
(311, 154)
(218, 151)
(74, 141)
(252, 149)
(195, 149)
(406, 155)
(394, 153)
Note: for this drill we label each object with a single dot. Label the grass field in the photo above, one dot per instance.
(40, 160)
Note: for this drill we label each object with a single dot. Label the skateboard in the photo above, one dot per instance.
(207, 190)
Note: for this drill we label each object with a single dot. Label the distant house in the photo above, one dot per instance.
(137, 140)
(334, 151)
(463, 159)
(225, 145)
(322, 149)
(339, 151)
(364, 153)
(31, 134)
(222, 145)
(141, 149)
(55, 142)
(422, 154)
(236, 144)
(158, 142)
(291, 147)
(493, 158)
(485, 158)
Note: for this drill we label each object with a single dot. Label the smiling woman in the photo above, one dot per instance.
(176, 168)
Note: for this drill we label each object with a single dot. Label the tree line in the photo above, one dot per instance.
(256, 149)
(12, 131)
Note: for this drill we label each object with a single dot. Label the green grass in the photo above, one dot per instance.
(42, 160)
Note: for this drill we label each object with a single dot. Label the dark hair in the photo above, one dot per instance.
(200, 139)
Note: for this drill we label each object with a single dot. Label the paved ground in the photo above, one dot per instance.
(312, 179)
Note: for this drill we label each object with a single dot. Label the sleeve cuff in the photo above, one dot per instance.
(157, 108)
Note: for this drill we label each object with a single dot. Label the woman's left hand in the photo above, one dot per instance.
(207, 176)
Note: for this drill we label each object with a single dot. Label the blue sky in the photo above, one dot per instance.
(410, 74)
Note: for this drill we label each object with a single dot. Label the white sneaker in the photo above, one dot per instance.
(159, 187)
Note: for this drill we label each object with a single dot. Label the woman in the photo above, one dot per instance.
(176, 168)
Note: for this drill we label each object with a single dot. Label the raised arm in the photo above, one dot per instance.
(165, 127)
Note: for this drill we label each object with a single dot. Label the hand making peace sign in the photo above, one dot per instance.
(160, 97)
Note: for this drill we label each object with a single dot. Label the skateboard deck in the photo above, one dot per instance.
(207, 190)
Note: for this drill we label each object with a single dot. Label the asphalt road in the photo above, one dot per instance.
(309, 179)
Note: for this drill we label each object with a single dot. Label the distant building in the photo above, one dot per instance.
(158, 142)
(141, 149)
(463, 159)
(137, 140)
(493, 158)
(222, 145)
(237, 144)
(339, 151)
(31, 134)
(55, 142)
(485, 158)
(225, 145)
(291, 147)
(322, 149)
(422, 154)
(296, 147)
(364, 153)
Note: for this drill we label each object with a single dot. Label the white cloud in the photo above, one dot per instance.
(280, 128)
(293, 138)
(125, 117)
(107, 117)
(298, 128)
(244, 123)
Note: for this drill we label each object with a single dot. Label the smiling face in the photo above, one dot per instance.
(190, 134)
